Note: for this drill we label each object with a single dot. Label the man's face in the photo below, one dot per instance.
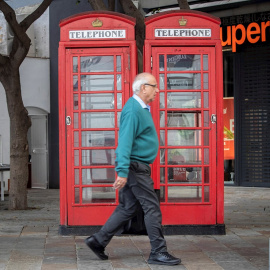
(150, 89)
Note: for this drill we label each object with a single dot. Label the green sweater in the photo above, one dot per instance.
(138, 139)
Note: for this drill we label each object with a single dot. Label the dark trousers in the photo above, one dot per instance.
(139, 190)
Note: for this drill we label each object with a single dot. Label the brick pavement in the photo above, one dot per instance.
(29, 239)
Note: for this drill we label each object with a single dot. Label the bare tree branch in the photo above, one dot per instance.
(10, 17)
(21, 41)
(183, 4)
(17, 56)
(3, 60)
(131, 10)
(97, 5)
(111, 5)
(35, 15)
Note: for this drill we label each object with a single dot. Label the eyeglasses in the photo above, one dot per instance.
(153, 85)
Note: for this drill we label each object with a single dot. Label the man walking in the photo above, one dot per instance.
(137, 148)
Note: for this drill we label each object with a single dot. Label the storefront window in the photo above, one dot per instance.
(228, 114)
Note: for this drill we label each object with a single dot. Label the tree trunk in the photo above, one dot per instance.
(97, 5)
(131, 10)
(112, 5)
(183, 4)
(19, 152)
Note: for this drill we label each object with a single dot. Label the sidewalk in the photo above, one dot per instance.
(29, 239)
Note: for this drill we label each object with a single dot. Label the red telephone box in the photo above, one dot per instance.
(97, 63)
(183, 51)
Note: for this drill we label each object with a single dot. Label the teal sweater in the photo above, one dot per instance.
(138, 139)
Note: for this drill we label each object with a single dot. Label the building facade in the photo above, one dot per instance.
(246, 54)
(246, 63)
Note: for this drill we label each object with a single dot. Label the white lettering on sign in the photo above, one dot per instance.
(97, 34)
(182, 32)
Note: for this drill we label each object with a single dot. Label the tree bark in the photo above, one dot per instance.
(131, 10)
(19, 119)
(19, 150)
(183, 4)
(112, 5)
(97, 5)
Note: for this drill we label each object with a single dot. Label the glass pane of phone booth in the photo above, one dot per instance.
(97, 103)
(184, 127)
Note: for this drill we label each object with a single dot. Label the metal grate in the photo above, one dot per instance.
(254, 116)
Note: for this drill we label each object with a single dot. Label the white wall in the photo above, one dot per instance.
(4, 126)
(35, 82)
(4, 132)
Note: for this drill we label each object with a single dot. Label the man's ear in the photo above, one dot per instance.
(143, 88)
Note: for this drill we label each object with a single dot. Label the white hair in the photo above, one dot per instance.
(139, 80)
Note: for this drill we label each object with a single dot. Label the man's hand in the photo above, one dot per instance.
(120, 182)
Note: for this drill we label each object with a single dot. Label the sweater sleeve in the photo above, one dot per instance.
(127, 135)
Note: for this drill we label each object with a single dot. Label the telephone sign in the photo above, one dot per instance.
(183, 33)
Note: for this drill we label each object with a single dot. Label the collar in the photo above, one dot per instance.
(144, 106)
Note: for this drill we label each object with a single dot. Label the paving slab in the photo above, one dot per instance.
(59, 266)
(23, 260)
(10, 230)
(203, 266)
(225, 256)
(258, 241)
(189, 257)
(237, 266)
(35, 230)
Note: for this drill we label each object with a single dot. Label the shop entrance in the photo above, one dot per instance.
(185, 117)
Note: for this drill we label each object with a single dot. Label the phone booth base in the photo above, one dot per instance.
(183, 51)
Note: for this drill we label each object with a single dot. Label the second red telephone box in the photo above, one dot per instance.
(183, 51)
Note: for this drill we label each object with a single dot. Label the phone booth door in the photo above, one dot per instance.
(97, 63)
(97, 88)
(187, 159)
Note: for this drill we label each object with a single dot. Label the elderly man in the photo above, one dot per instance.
(137, 148)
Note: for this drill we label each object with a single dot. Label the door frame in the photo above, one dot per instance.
(77, 210)
(192, 212)
(37, 112)
(148, 63)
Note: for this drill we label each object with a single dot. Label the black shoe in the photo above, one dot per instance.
(94, 245)
(163, 258)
